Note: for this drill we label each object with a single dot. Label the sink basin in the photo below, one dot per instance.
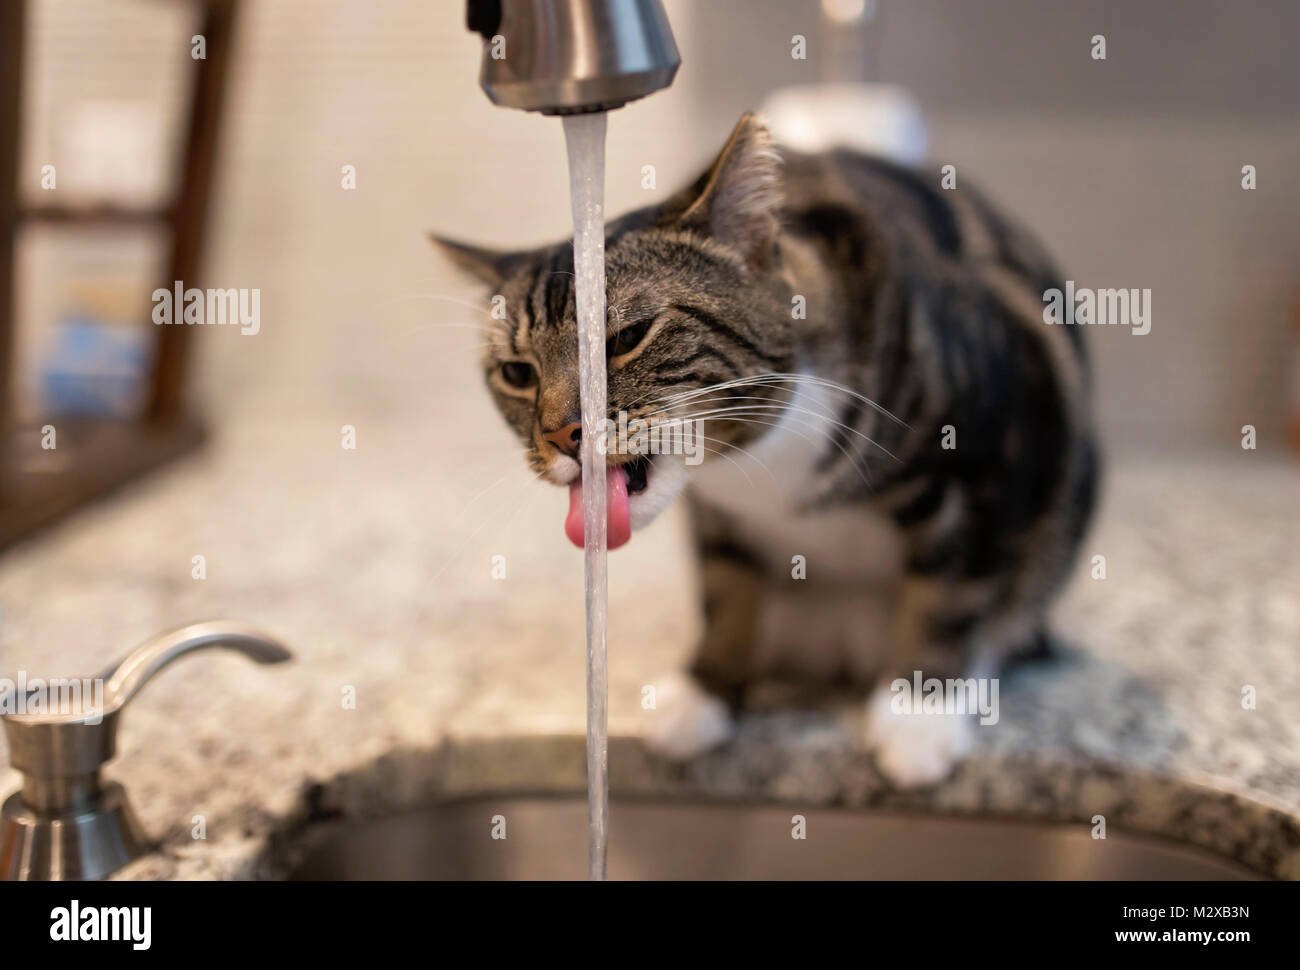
(546, 838)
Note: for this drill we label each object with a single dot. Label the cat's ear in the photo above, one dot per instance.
(738, 200)
(489, 265)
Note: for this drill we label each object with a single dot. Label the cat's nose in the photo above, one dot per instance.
(568, 438)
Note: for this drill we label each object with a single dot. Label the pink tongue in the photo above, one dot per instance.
(617, 516)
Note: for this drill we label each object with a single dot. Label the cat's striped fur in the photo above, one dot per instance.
(903, 418)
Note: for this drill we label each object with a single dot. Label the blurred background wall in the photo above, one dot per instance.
(1128, 168)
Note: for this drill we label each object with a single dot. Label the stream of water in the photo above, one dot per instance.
(584, 138)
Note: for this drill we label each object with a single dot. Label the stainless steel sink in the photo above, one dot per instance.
(546, 839)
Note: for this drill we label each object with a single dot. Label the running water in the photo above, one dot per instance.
(584, 137)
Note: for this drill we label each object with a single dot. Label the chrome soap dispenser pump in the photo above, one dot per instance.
(65, 822)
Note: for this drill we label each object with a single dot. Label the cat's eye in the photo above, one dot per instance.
(519, 374)
(627, 339)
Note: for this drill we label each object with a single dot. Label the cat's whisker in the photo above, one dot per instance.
(748, 415)
(667, 397)
(717, 401)
(715, 451)
(676, 395)
(779, 379)
(433, 296)
(764, 402)
(762, 378)
(488, 330)
(743, 414)
(692, 393)
(435, 326)
(491, 519)
(862, 469)
(763, 407)
(483, 491)
(779, 406)
(745, 453)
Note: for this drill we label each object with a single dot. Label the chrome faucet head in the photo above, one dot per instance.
(573, 56)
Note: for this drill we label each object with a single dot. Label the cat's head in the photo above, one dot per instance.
(696, 296)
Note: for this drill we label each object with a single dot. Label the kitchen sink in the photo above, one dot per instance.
(546, 838)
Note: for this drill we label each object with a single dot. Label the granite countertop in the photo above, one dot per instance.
(374, 565)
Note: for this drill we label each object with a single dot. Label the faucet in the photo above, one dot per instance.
(572, 56)
(65, 823)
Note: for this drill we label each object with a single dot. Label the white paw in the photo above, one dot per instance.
(686, 720)
(914, 749)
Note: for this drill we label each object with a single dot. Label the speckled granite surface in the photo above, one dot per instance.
(374, 565)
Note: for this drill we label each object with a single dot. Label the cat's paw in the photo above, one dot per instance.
(686, 720)
(914, 749)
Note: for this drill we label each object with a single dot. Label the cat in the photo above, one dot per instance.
(902, 462)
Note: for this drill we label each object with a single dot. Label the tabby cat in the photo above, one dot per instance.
(902, 461)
